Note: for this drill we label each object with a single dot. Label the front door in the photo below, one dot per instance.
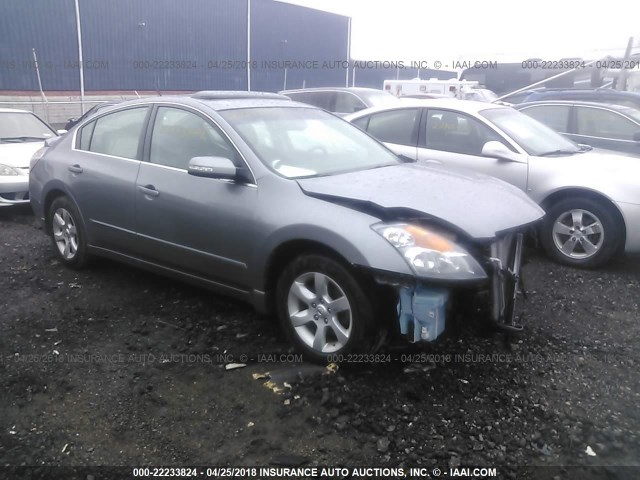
(198, 225)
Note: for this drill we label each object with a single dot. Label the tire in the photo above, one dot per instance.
(68, 234)
(587, 230)
(311, 288)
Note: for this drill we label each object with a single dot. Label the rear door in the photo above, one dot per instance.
(102, 170)
(604, 128)
(197, 225)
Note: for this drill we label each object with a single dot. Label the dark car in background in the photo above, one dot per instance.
(287, 207)
(72, 122)
(601, 95)
(341, 100)
(614, 127)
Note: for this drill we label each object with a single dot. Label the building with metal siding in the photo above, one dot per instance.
(163, 44)
(166, 45)
(315, 42)
(49, 27)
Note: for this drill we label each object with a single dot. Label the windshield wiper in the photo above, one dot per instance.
(558, 152)
(22, 139)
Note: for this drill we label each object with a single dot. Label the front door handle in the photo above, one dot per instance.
(435, 162)
(75, 168)
(149, 190)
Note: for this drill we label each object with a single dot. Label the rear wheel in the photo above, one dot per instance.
(324, 309)
(67, 233)
(582, 232)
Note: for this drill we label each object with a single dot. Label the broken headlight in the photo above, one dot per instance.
(430, 253)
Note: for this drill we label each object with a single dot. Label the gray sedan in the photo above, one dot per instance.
(287, 207)
(591, 196)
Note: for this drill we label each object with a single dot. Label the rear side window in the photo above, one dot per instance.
(394, 126)
(596, 122)
(348, 103)
(116, 134)
(554, 116)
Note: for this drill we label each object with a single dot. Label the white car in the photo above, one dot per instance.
(592, 197)
(22, 133)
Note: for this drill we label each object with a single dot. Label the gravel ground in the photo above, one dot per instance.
(115, 366)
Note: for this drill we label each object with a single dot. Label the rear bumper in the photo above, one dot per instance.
(631, 215)
(14, 190)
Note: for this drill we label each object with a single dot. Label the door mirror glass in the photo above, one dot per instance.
(497, 150)
(212, 167)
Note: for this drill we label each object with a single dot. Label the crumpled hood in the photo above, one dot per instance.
(18, 154)
(476, 204)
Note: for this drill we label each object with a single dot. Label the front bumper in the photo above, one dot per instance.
(423, 307)
(14, 190)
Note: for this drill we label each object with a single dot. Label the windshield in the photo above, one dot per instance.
(305, 142)
(534, 137)
(23, 127)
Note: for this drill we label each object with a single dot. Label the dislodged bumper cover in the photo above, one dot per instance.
(476, 204)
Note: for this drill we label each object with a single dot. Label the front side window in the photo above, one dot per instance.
(305, 142)
(394, 126)
(554, 116)
(179, 135)
(596, 122)
(116, 133)
(324, 100)
(456, 132)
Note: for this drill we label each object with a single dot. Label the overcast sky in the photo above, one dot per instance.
(478, 30)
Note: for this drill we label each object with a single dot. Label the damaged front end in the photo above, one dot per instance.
(425, 303)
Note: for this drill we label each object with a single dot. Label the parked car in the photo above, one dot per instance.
(21, 134)
(591, 197)
(614, 127)
(285, 206)
(341, 100)
(72, 122)
(599, 95)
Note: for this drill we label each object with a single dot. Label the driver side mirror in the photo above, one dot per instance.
(212, 167)
(495, 149)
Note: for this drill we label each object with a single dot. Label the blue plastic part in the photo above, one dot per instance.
(421, 311)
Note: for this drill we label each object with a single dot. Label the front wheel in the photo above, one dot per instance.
(323, 309)
(581, 232)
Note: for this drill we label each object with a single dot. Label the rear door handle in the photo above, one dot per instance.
(149, 190)
(75, 168)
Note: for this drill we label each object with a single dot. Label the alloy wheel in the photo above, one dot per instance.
(578, 234)
(320, 312)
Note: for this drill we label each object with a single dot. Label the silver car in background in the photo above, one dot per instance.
(21, 134)
(287, 207)
(592, 197)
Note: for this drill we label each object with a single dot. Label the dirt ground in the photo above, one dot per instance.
(115, 366)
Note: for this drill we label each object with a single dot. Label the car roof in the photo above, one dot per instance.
(581, 91)
(221, 100)
(340, 89)
(609, 106)
(13, 110)
(465, 106)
